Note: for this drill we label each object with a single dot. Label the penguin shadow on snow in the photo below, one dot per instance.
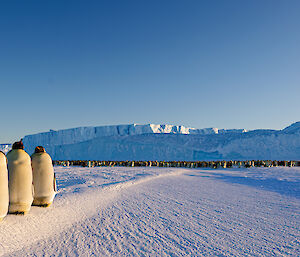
(71, 185)
(70, 182)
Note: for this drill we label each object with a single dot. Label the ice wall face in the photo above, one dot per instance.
(167, 142)
(76, 135)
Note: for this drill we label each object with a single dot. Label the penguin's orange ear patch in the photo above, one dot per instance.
(39, 149)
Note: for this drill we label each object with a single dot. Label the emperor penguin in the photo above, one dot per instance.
(43, 178)
(19, 180)
(4, 200)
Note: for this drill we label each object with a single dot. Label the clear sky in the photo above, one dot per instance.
(226, 64)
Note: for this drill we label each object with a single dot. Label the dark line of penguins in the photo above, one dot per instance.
(179, 164)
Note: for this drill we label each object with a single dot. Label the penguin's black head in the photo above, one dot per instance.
(39, 149)
(18, 145)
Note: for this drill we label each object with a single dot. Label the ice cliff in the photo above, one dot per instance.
(167, 142)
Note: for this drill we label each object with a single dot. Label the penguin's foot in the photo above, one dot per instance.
(19, 208)
(44, 205)
(42, 201)
(18, 212)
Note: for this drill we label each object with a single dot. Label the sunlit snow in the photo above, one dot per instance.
(148, 211)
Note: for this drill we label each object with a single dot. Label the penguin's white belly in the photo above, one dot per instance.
(20, 181)
(43, 179)
(4, 199)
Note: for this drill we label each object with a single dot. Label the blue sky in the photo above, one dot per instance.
(226, 64)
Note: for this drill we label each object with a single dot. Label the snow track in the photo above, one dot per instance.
(79, 202)
(162, 212)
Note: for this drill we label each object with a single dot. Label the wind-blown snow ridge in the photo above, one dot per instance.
(294, 128)
(167, 142)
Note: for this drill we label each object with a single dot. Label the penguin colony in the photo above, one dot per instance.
(25, 180)
(194, 164)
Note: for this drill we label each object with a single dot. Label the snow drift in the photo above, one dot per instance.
(167, 142)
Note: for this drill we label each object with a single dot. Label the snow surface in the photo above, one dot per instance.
(167, 142)
(149, 211)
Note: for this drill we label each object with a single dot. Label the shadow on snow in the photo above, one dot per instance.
(283, 187)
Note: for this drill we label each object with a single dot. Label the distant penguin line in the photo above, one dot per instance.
(25, 180)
